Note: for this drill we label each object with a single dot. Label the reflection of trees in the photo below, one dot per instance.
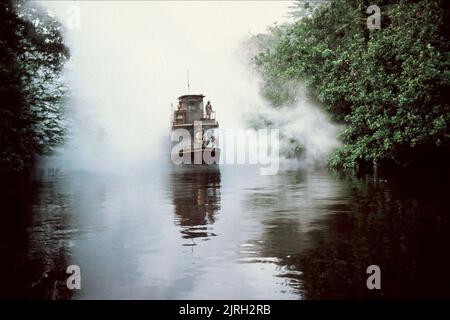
(196, 196)
(401, 226)
(33, 256)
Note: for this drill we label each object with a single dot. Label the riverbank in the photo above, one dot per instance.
(387, 86)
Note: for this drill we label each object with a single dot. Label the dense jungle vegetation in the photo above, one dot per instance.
(32, 91)
(388, 86)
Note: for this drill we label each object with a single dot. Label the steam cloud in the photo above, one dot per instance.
(129, 62)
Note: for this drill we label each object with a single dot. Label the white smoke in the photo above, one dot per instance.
(129, 63)
(307, 126)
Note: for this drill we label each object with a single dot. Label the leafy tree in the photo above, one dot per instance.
(32, 55)
(304, 8)
(389, 87)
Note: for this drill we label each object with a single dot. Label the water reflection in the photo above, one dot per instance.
(324, 239)
(294, 235)
(34, 246)
(196, 197)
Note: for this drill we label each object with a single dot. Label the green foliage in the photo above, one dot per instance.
(32, 55)
(389, 87)
(304, 8)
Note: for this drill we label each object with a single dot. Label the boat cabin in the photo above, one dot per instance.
(191, 108)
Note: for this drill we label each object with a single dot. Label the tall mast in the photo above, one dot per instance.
(188, 84)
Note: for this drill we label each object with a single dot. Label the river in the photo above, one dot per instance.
(224, 233)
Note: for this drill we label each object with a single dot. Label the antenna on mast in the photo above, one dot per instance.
(188, 84)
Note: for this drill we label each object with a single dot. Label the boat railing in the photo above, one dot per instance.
(179, 117)
(211, 116)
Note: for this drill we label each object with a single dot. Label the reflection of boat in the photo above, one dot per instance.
(192, 118)
(196, 196)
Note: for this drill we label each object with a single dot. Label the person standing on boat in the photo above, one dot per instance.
(208, 110)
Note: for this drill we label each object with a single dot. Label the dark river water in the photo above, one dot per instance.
(225, 233)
